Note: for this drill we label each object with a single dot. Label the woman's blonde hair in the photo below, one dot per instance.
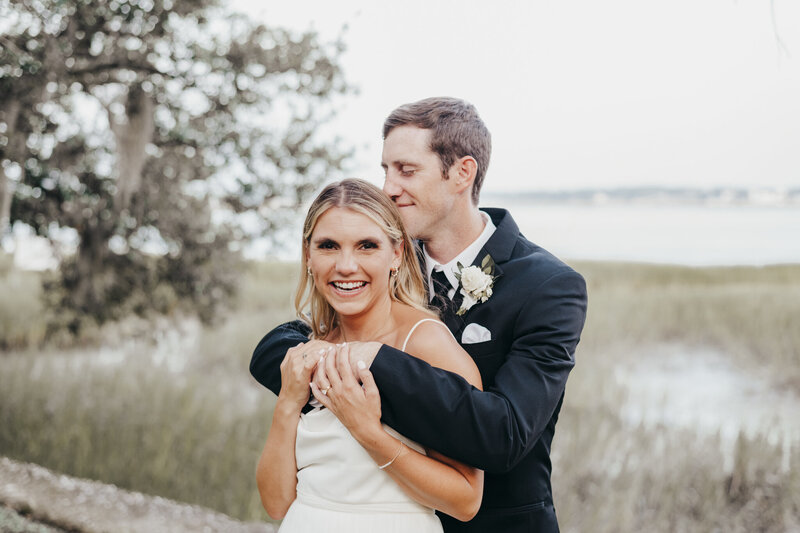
(407, 286)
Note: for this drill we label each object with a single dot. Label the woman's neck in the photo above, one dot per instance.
(372, 325)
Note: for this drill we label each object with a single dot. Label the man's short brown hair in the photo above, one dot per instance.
(456, 131)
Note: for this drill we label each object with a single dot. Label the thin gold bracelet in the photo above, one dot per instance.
(400, 449)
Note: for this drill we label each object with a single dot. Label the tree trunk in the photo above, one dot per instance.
(5, 202)
(8, 115)
(132, 136)
(90, 279)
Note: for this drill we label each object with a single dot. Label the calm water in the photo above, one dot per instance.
(688, 235)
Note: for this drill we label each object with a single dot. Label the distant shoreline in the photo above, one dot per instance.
(722, 226)
(729, 196)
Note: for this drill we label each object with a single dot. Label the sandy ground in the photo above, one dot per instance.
(85, 506)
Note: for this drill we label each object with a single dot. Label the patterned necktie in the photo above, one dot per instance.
(441, 286)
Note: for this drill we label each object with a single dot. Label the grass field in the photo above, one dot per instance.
(119, 414)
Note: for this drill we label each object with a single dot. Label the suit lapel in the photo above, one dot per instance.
(501, 244)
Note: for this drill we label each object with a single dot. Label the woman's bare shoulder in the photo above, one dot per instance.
(432, 342)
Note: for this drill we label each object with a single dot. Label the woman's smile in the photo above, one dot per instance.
(348, 288)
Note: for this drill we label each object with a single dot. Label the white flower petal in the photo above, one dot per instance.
(469, 301)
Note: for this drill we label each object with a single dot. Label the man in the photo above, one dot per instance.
(521, 323)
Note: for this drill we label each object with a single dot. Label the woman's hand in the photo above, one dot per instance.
(296, 370)
(354, 399)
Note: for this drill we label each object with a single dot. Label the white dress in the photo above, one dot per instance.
(341, 489)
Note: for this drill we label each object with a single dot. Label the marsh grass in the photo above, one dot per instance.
(188, 439)
(196, 435)
(750, 313)
(610, 476)
(22, 314)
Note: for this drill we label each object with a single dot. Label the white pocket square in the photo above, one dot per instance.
(475, 333)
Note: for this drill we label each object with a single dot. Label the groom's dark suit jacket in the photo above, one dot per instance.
(535, 316)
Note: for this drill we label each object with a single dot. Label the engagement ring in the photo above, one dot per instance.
(325, 391)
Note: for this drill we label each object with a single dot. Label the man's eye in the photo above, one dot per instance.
(407, 172)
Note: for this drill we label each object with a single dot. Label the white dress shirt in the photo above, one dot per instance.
(466, 257)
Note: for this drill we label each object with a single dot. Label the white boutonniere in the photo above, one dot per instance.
(476, 283)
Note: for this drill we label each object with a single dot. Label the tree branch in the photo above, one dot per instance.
(778, 40)
(8, 43)
(114, 65)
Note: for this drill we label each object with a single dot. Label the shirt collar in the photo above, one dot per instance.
(466, 257)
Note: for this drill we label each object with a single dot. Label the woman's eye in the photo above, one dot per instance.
(326, 245)
(369, 245)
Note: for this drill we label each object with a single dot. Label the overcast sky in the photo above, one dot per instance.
(580, 93)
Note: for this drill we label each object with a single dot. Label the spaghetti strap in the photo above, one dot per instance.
(405, 342)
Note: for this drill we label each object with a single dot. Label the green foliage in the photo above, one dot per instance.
(158, 135)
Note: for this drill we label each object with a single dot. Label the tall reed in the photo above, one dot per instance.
(195, 434)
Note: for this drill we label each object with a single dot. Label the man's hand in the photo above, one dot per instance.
(358, 351)
(364, 352)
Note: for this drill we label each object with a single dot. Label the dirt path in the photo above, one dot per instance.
(84, 506)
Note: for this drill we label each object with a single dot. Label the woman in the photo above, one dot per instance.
(337, 468)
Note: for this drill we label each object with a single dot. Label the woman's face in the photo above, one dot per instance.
(350, 259)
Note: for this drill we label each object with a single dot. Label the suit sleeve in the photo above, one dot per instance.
(265, 365)
(492, 429)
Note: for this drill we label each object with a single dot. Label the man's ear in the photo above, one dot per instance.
(463, 172)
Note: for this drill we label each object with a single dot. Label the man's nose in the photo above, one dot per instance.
(391, 187)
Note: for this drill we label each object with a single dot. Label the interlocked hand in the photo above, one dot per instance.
(352, 397)
(296, 368)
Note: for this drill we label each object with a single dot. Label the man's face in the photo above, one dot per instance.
(414, 180)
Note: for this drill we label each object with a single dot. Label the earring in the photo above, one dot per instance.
(394, 272)
(308, 270)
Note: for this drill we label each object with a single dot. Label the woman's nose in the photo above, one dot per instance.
(346, 263)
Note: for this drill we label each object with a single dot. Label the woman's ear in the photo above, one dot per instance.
(398, 255)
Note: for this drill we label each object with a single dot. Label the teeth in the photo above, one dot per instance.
(348, 285)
